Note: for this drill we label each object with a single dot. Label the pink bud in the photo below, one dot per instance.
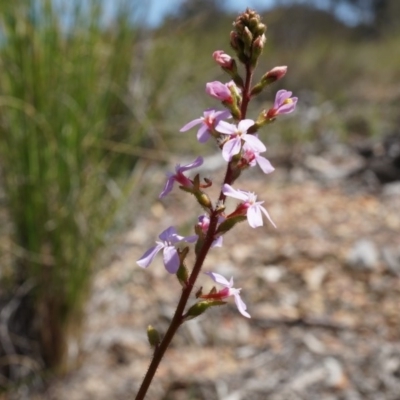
(223, 59)
(275, 73)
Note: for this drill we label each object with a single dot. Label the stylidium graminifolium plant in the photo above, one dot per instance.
(235, 136)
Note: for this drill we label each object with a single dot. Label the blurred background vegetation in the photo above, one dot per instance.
(88, 101)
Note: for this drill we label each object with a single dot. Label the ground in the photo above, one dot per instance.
(323, 291)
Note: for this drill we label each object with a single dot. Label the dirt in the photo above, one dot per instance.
(323, 291)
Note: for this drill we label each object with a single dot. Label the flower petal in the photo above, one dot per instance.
(197, 162)
(220, 279)
(245, 124)
(281, 96)
(254, 216)
(228, 190)
(255, 143)
(226, 128)
(166, 235)
(149, 255)
(265, 212)
(217, 242)
(231, 148)
(203, 134)
(171, 259)
(264, 164)
(241, 306)
(191, 124)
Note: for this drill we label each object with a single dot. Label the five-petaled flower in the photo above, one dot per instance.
(284, 104)
(179, 177)
(210, 119)
(168, 238)
(227, 291)
(238, 133)
(249, 206)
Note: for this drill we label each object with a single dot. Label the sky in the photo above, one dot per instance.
(158, 9)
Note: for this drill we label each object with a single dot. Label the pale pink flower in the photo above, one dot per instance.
(168, 238)
(227, 291)
(284, 104)
(237, 134)
(210, 119)
(219, 91)
(179, 177)
(249, 206)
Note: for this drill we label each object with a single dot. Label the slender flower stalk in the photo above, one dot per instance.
(241, 148)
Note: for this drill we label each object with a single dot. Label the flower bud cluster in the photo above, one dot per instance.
(248, 37)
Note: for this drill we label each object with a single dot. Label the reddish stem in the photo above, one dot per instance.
(178, 319)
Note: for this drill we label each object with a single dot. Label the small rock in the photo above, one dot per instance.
(272, 273)
(363, 255)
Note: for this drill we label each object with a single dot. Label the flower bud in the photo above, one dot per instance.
(274, 74)
(183, 275)
(271, 76)
(229, 223)
(234, 40)
(222, 59)
(153, 336)
(203, 199)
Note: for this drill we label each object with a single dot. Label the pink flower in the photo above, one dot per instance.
(204, 223)
(284, 104)
(250, 207)
(219, 91)
(251, 158)
(227, 291)
(223, 59)
(179, 177)
(168, 238)
(237, 134)
(207, 123)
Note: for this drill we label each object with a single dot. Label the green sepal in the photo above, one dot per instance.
(153, 336)
(257, 89)
(182, 274)
(238, 81)
(229, 223)
(201, 307)
(187, 189)
(199, 245)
